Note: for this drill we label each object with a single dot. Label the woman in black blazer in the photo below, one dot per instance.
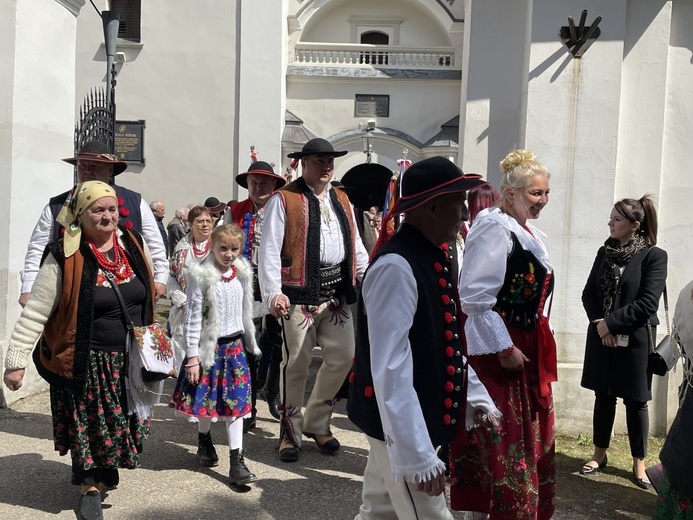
(621, 297)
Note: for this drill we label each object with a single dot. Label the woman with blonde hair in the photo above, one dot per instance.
(506, 281)
(621, 298)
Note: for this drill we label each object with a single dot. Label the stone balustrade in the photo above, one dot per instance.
(354, 55)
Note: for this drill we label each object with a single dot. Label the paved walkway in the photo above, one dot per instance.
(34, 480)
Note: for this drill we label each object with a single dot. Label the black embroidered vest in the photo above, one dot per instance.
(434, 336)
(131, 201)
(519, 298)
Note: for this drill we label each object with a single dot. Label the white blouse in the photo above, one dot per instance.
(487, 248)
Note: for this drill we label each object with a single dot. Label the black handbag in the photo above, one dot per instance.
(662, 357)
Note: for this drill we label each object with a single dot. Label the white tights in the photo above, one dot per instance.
(234, 430)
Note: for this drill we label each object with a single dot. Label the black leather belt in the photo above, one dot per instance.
(229, 339)
(330, 278)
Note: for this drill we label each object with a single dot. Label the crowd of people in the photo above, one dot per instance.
(453, 388)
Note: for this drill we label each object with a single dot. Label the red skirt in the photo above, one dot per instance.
(510, 474)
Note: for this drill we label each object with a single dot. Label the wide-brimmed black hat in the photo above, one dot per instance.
(214, 206)
(260, 168)
(317, 146)
(98, 152)
(430, 178)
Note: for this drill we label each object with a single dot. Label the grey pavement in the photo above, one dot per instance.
(35, 480)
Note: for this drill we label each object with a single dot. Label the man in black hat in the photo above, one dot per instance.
(216, 208)
(261, 182)
(95, 163)
(408, 392)
(310, 258)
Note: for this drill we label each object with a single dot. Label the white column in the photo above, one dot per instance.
(37, 82)
(262, 82)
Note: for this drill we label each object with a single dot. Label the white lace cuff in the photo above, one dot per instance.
(486, 333)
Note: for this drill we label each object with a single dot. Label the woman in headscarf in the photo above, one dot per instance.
(82, 347)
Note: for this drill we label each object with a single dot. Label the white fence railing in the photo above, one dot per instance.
(374, 56)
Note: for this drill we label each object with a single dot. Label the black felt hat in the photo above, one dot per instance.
(430, 178)
(260, 168)
(98, 152)
(317, 146)
(214, 206)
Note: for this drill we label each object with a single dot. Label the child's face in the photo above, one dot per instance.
(225, 251)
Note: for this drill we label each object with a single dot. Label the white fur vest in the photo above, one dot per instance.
(207, 275)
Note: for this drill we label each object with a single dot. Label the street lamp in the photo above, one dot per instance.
(367, 146)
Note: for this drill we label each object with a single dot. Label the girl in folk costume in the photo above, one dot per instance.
(218, 327)
(506, 281)
(191, 249)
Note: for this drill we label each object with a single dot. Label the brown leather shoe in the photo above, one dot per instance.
(327, 443)
(287, 451)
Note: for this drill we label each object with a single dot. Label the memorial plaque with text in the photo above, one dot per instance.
(129, 141)
(372, 105)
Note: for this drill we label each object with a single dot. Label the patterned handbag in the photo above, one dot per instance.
(154, 351)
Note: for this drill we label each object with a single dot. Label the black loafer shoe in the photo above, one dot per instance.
(327, 443)
(588, 470)
(89, 507)
(642, 483)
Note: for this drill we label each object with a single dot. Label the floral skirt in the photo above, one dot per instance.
(510, 474)
(224, 388)
(93, 424)
(673, 505)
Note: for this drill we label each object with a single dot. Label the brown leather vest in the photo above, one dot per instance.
(300, 254)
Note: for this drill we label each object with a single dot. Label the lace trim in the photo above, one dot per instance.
(421, 473)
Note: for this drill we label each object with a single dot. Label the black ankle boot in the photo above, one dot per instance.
(239, 474)
(270, 392)
(206, 453)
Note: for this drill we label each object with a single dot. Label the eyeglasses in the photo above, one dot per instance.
(199, 222)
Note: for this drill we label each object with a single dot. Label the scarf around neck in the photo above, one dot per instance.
(617, 256)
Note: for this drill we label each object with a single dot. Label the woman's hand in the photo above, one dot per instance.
(193, 370)
(609, 341)
(13, 378)
(515, 361)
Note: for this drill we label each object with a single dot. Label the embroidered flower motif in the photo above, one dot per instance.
(437, 267)
(448, 335)
(352, 376)
(120, 201)
(449, 386)
(128, 225)
(450, 370)
(448, 318)
(368, 391)
(124, 212)
(449, 351)
(446, 299)
(446, 419)
(444, 246)
(447, 403)
(442, 283)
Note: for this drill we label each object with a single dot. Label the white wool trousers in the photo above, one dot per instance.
(384, 499)
(332, 328)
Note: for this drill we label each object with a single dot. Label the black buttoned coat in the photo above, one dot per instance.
(622, 371)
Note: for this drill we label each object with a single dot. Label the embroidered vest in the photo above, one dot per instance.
(435, 339)
(520, 297)
(130, 205)
(300, 256)
(62, 353)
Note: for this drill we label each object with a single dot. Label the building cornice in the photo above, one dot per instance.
(74, 6)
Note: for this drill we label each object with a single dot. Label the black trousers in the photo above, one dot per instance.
(269, 334)
(637, 422)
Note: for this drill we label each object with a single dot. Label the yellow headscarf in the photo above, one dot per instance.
(78, 201)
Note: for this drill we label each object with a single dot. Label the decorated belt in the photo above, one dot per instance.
(330, 277)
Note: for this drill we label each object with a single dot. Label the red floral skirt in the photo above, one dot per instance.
(510, 474)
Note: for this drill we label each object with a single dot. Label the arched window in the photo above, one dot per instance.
(374, 38)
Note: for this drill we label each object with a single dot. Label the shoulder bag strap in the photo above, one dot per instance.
(666, 308)
(126, 316)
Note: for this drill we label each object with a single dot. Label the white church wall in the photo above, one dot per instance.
(37, 86)
(182, 80)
